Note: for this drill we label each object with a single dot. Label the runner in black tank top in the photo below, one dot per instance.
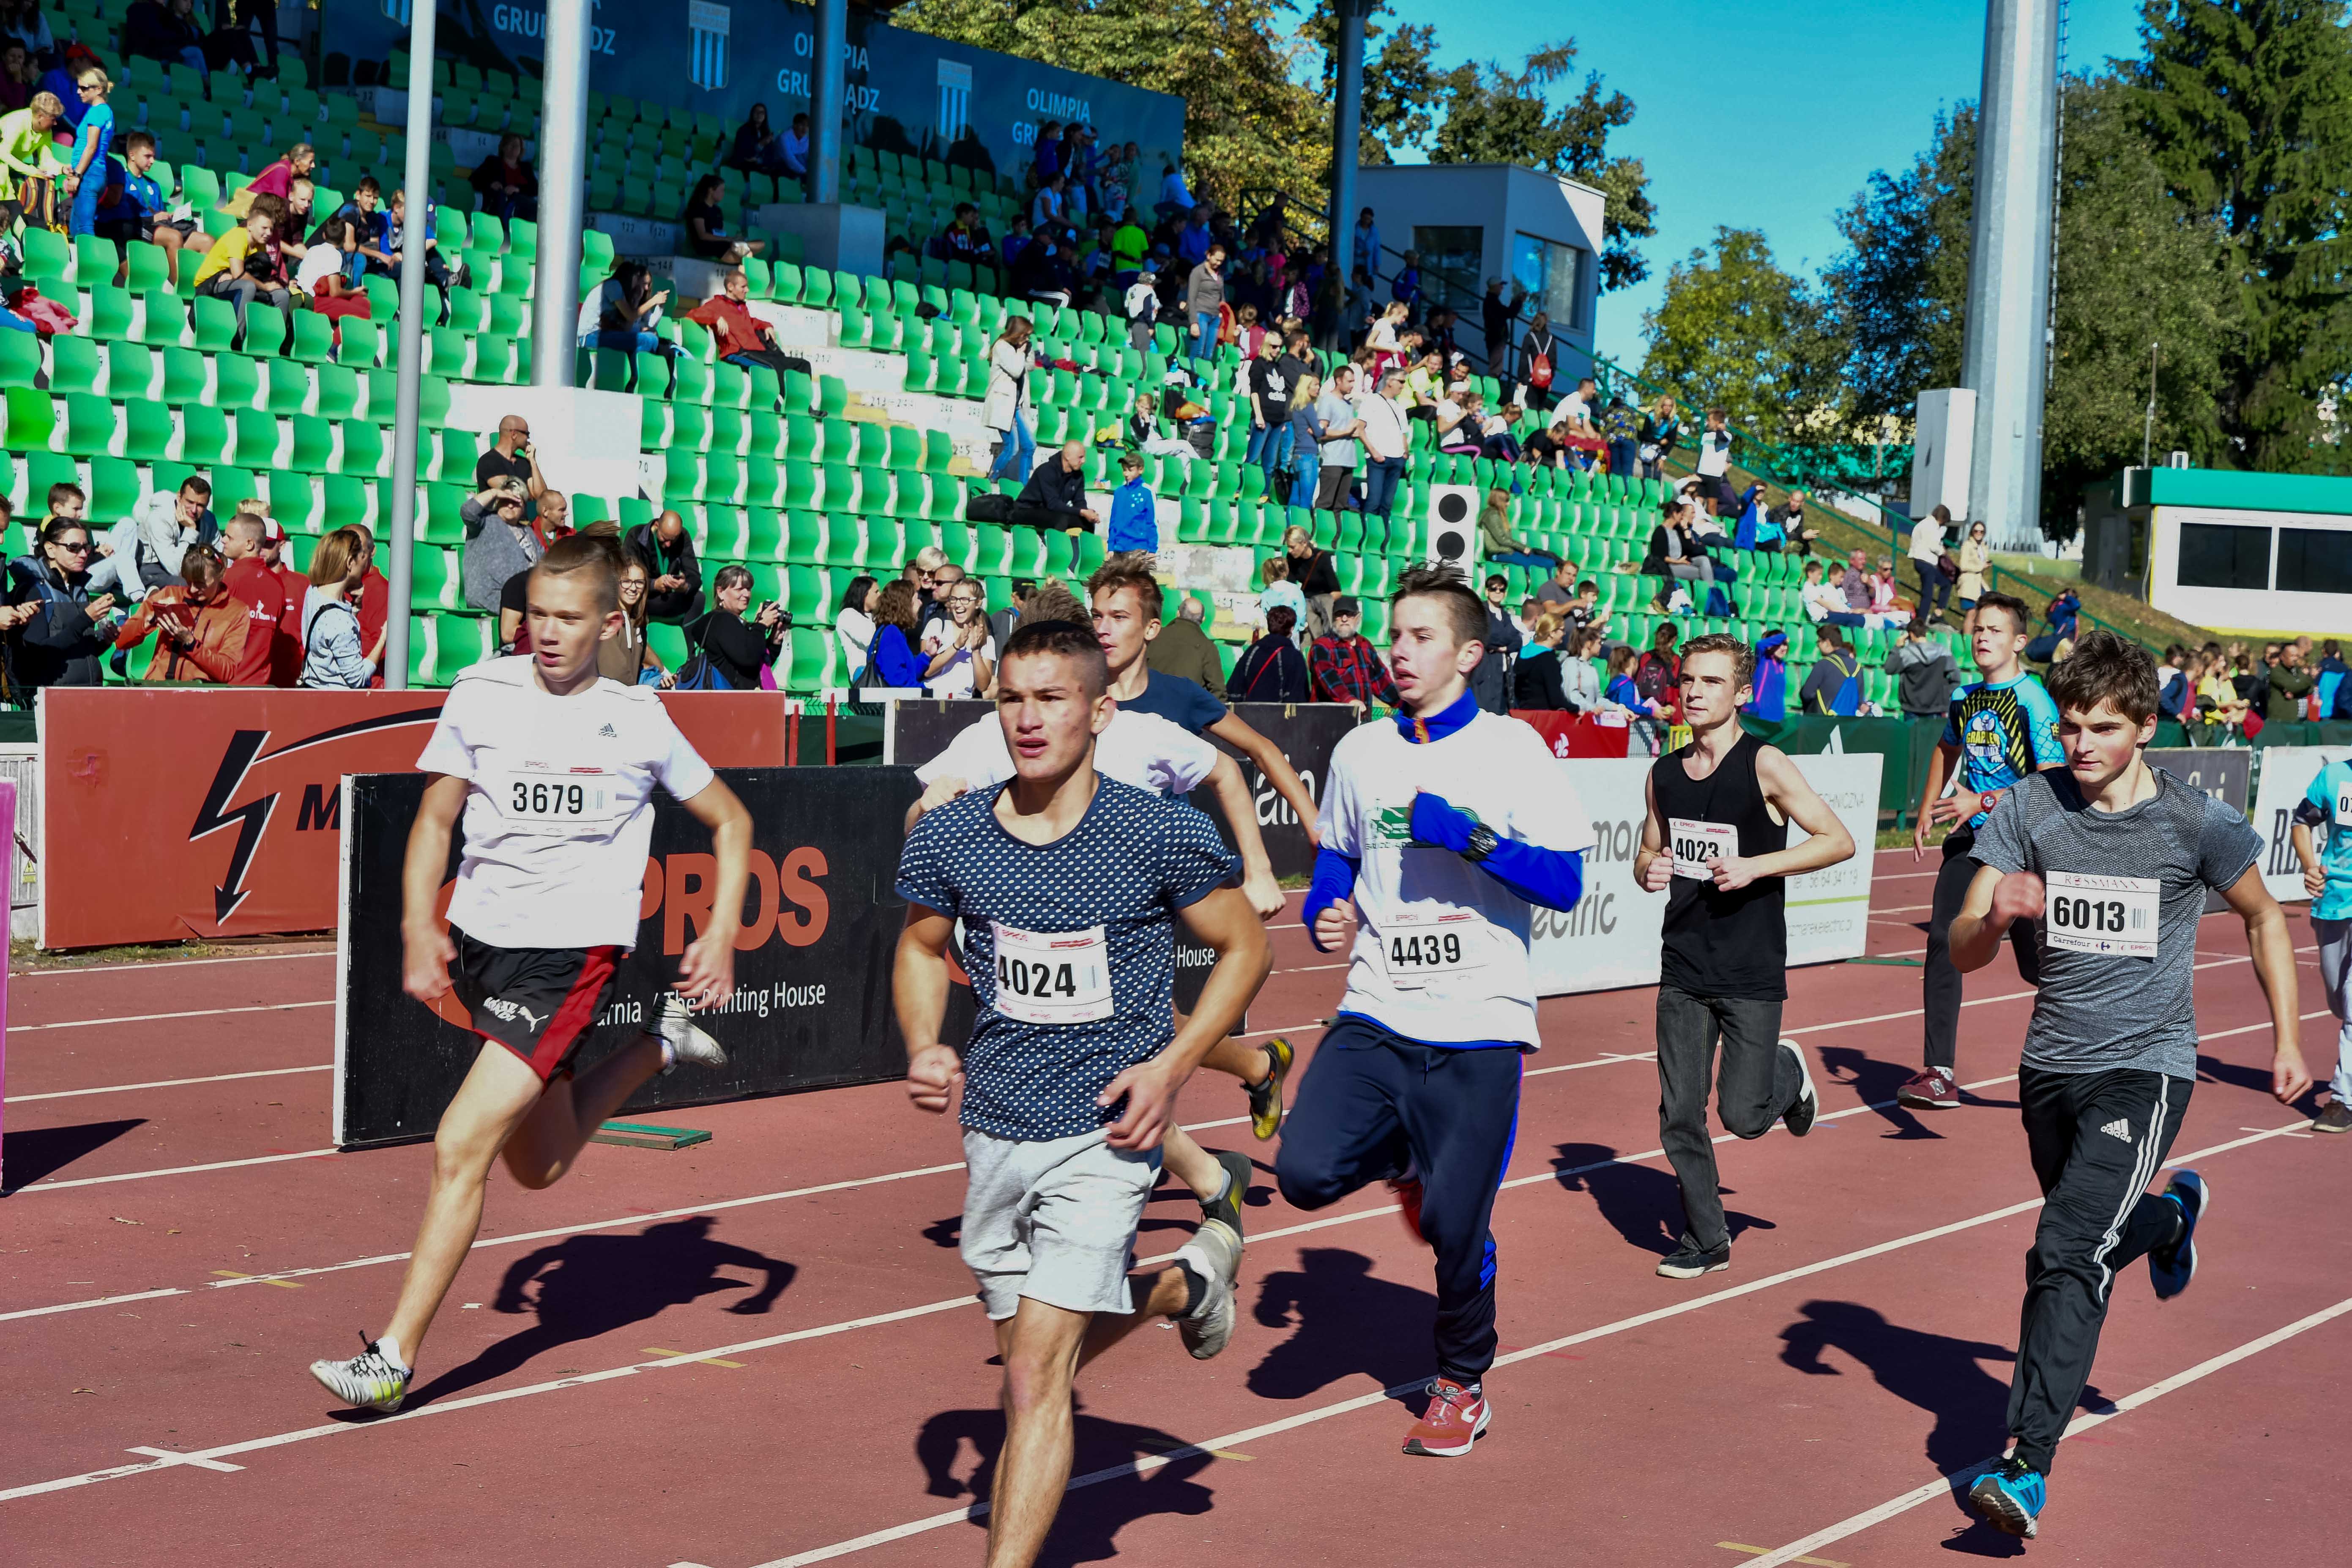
(1716, 842)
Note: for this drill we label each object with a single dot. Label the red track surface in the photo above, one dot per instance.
(1856, 1350)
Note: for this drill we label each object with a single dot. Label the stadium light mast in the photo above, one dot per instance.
(563, 184)
(825, 100)
(2005, 350)
(1347, 139)
(408, 398)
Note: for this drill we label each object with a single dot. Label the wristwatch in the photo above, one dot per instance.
(1482, 843)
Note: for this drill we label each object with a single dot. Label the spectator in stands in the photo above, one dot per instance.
(511, 455)
(276, 177)
(333, 657)
(93, 141)
(145, 548)
(153, 30)
(1044, 272)
(1142, 306)
(735, 651)
(1620, 693)
(18, 76)
(58, 631)
(1055, 495)
(756, 149)
(1498, 314)
(933, 606)
(1659, 672)
(327, 277)
(854, 623)
(1003, 623)
(132, 205)
(30, 157)
(1975, 558)
(1271, 670)
(958, 651)
(506, 183)
(230, 272)
(667, 550)
(965, 239)
(500, 543)
(1674, 551)
(1205, 302)
(743, 339)
(22, 21)
(1538, 682)
(1460, 417)
(1857, 586)
(1834, 684)
(1183, 648)
(1714, 461)
(1930, 540)
(252, 581)
(2175, 687)
(1621, 427)
(200, 630)
(1385, 444)
(1660, 433)
(891, 660)
(1501, 543)
(1925, 674)
(1275, 590)
(1341, 448)
(1345, 666)
(1580, 669)
(1134, 513)
(1312, 568)
(2064, 612)
(793, 145)
(1825, 602)
(2290, 683)
(706, 227)
(231, 37)
(1009, 410)
(1268, 388)
(1406, 286)
(363, 211)
(628, 306)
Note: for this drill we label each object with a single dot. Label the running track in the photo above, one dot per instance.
(762, 1351)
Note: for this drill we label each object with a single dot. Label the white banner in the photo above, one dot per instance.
(2286, 773)
(1611, 939)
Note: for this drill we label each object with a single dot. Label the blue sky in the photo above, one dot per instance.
(1762, 117)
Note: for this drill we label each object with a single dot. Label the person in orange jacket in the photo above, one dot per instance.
(200, 628)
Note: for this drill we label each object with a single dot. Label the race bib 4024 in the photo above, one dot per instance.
(1052, 977)
(2113, 915)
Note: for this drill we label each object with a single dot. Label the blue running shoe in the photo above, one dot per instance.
(2010, 1496)
(2170, 1269)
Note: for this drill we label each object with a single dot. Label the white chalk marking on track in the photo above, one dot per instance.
(1945, 1486)
(165, 1017)
(167, 1083)
(174, 1171)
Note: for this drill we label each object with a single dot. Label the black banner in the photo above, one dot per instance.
(811, 1007)
(2225, 773)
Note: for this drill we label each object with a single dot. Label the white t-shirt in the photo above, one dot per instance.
(1714, 451)
(1574, 407)
(319, 262)
(1927, 539)
(1820, 600)
(956, 680)
(1480, 986)
(561, 812)
(1140, 749)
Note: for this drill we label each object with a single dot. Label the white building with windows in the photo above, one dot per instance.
(2229, 552)
(1471, 222)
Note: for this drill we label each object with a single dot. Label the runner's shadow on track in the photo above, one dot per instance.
(36, 1152)
(1345, 1320)
(1875, 1083)
(1940, 1375)
(2210, 1069)
(592, 1285)
(1640, 1203)
(1086, 1529)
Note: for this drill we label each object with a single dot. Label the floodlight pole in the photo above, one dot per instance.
(1346, 141)
(563, 193)
(825, 100)
(417, 187)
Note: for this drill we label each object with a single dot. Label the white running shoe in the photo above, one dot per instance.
(1214, 1254)
(674, 1022)
(371, 1379)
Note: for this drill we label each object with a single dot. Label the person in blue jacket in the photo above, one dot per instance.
(1134, 514)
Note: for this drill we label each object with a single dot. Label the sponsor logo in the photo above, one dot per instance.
(509, 1010)
(2118, 1128)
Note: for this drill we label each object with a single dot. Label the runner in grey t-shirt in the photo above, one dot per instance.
(2110, 858)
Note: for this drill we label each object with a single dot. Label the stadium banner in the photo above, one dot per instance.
(902, 91)
(918, 731)
(2225, 773)
(208, 813)
(811, 1006)
(1611, 939)
(1577, 734)
(2287, 772)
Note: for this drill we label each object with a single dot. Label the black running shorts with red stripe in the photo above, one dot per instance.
(537, 1002)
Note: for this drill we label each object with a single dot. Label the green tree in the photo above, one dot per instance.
(1498, 116)
(1402, 82)
(1736, 330)
(2246, 109)
(1895, 295)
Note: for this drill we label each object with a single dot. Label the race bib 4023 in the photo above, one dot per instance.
(2113, 915)
(1695, 845)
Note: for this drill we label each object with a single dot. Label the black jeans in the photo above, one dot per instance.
(1374, 1103)
(1041, 519)
(1755, 1084)
(1934, 592)
(1939, 983)
(2096, 1140)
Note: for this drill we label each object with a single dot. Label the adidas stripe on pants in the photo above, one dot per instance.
(2097, 1141)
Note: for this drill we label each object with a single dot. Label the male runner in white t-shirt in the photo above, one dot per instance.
(1446, 825)
(553, 772)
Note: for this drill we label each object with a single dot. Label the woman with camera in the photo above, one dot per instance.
(730, 650)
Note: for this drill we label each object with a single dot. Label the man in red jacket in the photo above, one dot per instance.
(286, 666)
(744, 340)
(252, 583)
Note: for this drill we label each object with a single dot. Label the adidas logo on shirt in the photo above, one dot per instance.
(2118, 1128)
(608, 732)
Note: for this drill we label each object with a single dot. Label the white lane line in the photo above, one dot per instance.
(166, 1083)
(1205, 1447)
(1946, 1486)
(158, 964)
(101, 1301)
(165, 1017)
(1974, 1002)
(174, 1171)
(1233, 1441)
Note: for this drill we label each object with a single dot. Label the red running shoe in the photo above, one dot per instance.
(1452, 1423)
(1406, 1190)
(1929, 1089)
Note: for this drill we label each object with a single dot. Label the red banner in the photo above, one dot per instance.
(1577, 734)
(168, 815)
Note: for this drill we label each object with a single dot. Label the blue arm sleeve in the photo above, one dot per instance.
(1335, 878)
(1552, 877)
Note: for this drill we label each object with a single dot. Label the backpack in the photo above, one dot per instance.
(698, 673)
(1539, 369)
(989, 506)
(1654, 677)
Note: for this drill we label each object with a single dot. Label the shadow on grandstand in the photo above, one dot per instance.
(1642, 1203)
(1342, 1320)
(590, 1286)
(1092, 1515)
(38, 1151)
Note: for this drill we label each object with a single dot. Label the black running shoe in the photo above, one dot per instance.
(1228, 1208)
(1798, 1118)
(1265, 1098)
(1689, 1262)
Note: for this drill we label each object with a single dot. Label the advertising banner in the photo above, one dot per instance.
(1578, 734)
(903, 92)
(2287, 772)
(1611, 939)
(190, 813)
(811, 1006)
